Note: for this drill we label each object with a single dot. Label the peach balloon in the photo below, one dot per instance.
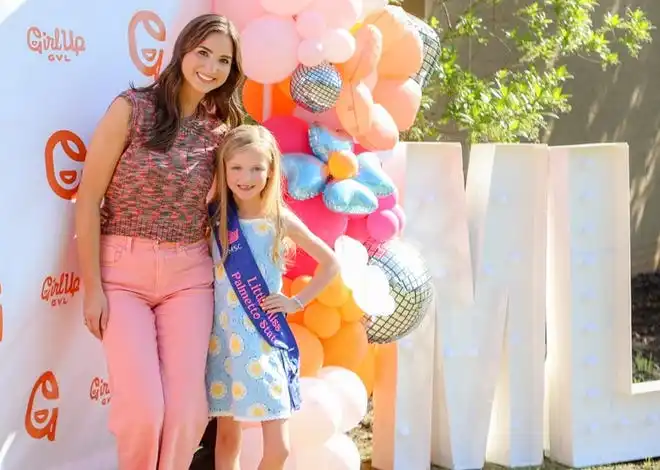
(336, 293)
(299, 284)
(347, 348)
(401, 98)
(311, 350)
(355, 109)
(367, 369)
(322, 320)
(298, 317)
(392, 23)
(350, 312)
(368, 49)
(403, 59)
(383, 133)
(371, 80)
(286, 286)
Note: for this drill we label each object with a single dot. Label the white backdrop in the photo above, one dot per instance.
(63, 62)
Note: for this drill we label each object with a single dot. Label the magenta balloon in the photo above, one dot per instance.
(240, 12)
(269, 46)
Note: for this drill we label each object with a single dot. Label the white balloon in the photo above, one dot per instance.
(352, 394)
(373, 294)
(338, 45)
(338, 453)
(252, 449)
(319, 416)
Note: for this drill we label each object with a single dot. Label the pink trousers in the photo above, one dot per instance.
(160, 299)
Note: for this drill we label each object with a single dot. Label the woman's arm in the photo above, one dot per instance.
(328, 265)
(104, 150)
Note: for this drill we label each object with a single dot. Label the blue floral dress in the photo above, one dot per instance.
(245, 377)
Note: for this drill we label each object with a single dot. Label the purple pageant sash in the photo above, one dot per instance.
(250, 287)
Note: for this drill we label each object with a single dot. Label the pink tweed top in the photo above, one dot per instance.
(162, 195)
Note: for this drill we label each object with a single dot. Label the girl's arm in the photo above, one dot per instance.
(105, 148)
(328, 265)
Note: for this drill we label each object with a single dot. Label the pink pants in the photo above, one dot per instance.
(160, 299)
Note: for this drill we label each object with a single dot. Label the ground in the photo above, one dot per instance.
(645, 357)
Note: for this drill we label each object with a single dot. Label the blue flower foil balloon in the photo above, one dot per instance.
(307, 176)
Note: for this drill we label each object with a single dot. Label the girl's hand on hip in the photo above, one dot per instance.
(279, 303)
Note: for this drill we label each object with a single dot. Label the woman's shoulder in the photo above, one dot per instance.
(138, 96)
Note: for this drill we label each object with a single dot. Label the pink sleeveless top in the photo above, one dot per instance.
(162, 195)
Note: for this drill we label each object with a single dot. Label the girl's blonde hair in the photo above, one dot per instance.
(259, 139)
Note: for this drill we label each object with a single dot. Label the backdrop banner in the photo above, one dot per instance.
(63, 63)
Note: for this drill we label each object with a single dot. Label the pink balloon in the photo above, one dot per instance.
(290, 133)
(310, 52)
(262, 61)
(338, 45)
(284, 7)
(301, 265)
(240, 12)
(398, 211)
(327, 225)
(327, 119)
(383, 225)
(310, 24)
(338, 13)
(357, 229)
(388, 202)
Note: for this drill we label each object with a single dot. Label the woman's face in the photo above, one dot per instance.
(207, 67)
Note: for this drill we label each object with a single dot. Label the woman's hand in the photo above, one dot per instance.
(95, 312)
(279, 303)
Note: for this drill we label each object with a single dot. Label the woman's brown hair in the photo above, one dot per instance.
(224, 101)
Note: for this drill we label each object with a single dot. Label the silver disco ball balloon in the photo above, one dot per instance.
(411, 286)
(430, 50)
(316, 89)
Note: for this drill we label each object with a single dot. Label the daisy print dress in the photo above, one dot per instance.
(245, 376)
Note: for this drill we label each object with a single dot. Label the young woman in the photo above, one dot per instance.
(141, 223)
(250, 376)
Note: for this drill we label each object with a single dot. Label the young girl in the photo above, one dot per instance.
(251, 371)
(146, 267)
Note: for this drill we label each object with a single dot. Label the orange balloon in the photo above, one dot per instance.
(311, 350)
(299, 284)
(342, 165)
(297, 317)
(350, 311)
(335, 294)
(285, 87)
(367, 369)
(322, 320)
(286, 286)
(347, 348)
(253, 101)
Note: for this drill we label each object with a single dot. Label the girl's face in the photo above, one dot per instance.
(247, 173)
(207, 66)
